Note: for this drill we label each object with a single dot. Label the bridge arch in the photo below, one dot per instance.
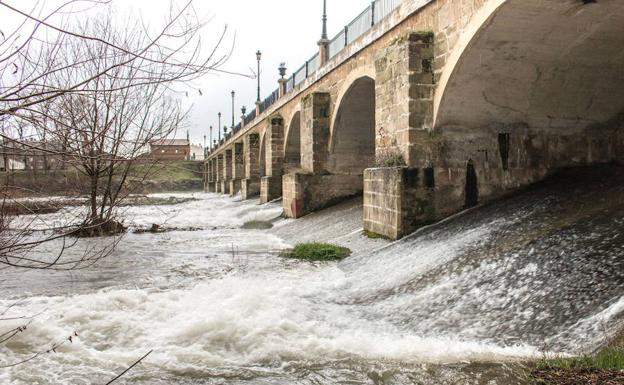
(535, 64)
(352, 138)
(292, 144)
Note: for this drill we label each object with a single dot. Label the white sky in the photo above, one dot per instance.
(284, 30)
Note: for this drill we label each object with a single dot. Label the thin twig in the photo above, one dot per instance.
(129, 368)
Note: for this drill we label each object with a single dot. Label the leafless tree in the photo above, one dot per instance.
(101, 91)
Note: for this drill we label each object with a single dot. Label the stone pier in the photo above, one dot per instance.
(238, 168)
(227, 172)
(271, 184)
(250, 185)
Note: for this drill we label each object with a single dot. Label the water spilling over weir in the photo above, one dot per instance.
(458, 302)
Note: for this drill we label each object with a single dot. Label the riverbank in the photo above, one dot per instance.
(605, 367)
(142, 179)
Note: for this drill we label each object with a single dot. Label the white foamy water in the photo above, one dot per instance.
(220, 306)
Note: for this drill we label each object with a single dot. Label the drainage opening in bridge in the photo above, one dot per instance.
(472, 188)
(503, 147)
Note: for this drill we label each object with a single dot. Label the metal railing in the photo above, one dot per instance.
(269, 101)
(314, 64)
(359, 25)
(373, 14)
(383, 8)
(337, 44)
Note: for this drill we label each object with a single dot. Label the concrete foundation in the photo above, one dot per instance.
(305, 193)
(225, 187)
(270, 188)
(396, 201)
(250, 188)
(235, 186)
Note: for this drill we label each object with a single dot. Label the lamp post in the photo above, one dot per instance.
(233, 95)
(219, 114)
(258, 57)
(205, 149)
(244, 111)
(210, 137)
(224, 132)
(324, 33)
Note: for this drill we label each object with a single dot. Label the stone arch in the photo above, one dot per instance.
(536, 64)
(292, 144)
(352, 139)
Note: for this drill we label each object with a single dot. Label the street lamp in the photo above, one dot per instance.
(205, 149)
(233, 95)
(324, 32)
(219, 126)
(224, 132)
(210, 136)
(258, 57)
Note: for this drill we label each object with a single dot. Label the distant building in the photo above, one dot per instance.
(9, 164)
(170, 149)
(30, 155)
(197, 152)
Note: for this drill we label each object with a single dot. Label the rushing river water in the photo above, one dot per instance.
(461, 302)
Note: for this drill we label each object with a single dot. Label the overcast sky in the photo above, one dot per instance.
(284, 30)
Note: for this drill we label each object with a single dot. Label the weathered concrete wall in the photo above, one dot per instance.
(404, 98)
(250, 185)
(315, 114)
(270, 188)
(238, 161)
(275, 147)
(306, 193)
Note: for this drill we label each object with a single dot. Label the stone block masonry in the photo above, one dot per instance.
(306, 193)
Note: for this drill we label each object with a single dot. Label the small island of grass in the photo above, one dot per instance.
(317, 252)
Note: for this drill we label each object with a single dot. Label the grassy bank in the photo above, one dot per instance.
(142, 178)
(605, 367)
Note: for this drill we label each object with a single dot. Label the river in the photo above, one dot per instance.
(466, 301)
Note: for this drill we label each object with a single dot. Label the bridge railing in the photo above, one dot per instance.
(269, 101)
(360, 25)
(337, 44)
(383, 8)
(373, 14)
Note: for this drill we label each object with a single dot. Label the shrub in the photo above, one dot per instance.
(318, 252)
(390, 158)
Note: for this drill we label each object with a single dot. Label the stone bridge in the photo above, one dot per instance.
(441, 105)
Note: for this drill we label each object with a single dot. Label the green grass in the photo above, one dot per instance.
(174, 171)
(608, 359)
(318, 252)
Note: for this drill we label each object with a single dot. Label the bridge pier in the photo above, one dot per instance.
(398, 195)
(218, 172)
(303, 191)
(238, 168)
(227, 171)
(271, 184)
(209, 185)
(250, 185)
